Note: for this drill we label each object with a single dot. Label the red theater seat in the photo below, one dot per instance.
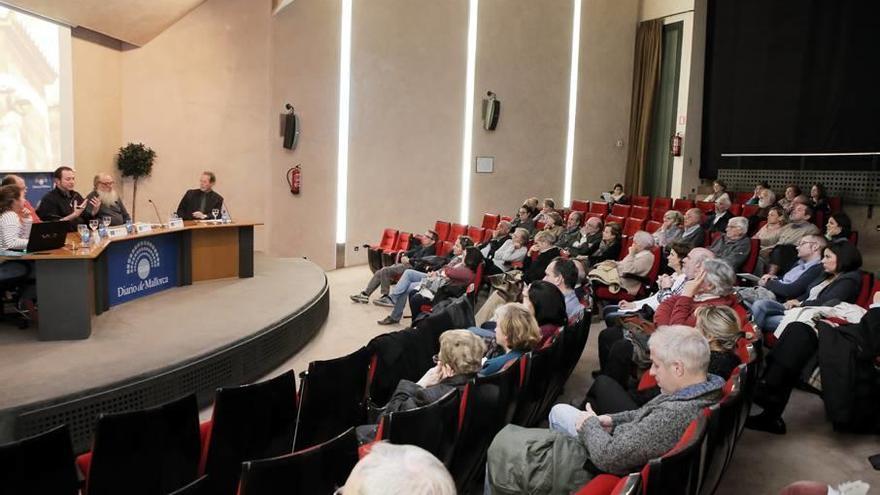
(641, 212)
(619, 210)
(662, 204)
(578, 205)
(455, 231)
(682, 205)
(641, 201)
(490, 221)
(632, 225)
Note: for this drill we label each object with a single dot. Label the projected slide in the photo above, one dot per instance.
(31, 122)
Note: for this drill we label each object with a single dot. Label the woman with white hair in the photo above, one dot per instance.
(522, 460)
(399, 470)
(734, 246)
(712, 286)
(638, 263)
(671, 229)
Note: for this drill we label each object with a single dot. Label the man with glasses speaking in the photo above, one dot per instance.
(108, 204)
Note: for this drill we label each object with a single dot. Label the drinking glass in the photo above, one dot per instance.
(106, 220)
(93, 224)
(215, 212)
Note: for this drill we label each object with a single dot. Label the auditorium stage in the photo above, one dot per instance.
(188, 339)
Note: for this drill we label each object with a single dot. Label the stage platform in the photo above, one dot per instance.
(145, 352)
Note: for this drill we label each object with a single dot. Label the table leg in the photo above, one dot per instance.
(246, 251)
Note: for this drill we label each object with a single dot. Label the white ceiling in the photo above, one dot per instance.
(133, 21)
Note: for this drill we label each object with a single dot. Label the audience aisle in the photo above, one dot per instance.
(763, 463)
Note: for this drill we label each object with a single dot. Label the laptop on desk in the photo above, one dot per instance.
(46, 236)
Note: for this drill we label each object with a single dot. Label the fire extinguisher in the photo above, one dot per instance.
(294, 179)
(676, 144)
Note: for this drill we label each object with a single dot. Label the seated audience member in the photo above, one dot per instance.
(768, 235)
(516, 332)
(671, 229)
(717, 221)
(110, 203)
(539, 256)
(546, 301)
(765, 203)
(15, 231)
(501, 235)
(783, 254)
(455, 272)
(838, 228)
(797, 280)
(197, 204)
(616, 196)
(513, 250)
(840, 282)
(787, 202)
(610, 245)
(399, 470)
(554, 224)
(459, 360)
(564, 275)
(637, 262)
(760, 187)
(819, 198)
(722, 328)
(572, 230)
(693, 232)
(523, 220)
(719, 190)
(547, 206)
(581, 444)
(62, 203)
(429, 293)
(384, 276)
(847, 365)
(668, 284)
(712, 286)
(27, 208)
(734, 246)
(588, 239)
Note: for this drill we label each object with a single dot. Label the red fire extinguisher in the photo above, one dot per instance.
(676, 144)
(294, 179)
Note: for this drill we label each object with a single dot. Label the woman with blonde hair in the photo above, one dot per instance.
(517, 333)
(722, 328)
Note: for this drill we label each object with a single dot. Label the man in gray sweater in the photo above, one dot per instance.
(553, 461)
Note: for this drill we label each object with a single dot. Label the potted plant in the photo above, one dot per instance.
(135, 161)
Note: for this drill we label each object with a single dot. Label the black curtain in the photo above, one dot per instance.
(790, 76)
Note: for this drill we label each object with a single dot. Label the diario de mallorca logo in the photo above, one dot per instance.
(142, 259)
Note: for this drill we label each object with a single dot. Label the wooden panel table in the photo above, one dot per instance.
(75, 284)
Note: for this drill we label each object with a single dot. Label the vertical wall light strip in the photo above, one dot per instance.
(572, 101)
(344, 90)
(474, 7)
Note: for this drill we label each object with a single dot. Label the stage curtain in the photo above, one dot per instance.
(646, 78)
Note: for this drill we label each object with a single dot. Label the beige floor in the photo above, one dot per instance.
(762, 463)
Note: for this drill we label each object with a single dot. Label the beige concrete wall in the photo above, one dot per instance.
(524, 56)
(407, 95)
(305, 72)
(608, 32)
(197, 94)
(655, 9)
(97, 98)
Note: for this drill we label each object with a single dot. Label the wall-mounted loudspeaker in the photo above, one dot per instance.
(491, 111)
(290, 127)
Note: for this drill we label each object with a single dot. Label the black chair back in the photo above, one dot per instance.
(39, 464)
(249, 422)
(332, 398)
(574, 340)
(678, 471)
(432, 427)
(316, 470)
(720, 438)
(538, 370)
(197, 487)
(148, 451)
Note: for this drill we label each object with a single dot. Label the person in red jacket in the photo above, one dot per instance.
(713, 285)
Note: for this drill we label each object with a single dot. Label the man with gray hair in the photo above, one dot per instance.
(110, 203)
(582, 443)
(717, 221)
(734, 246)
(693, 229)
(713, 285)
(588, 240)
(572, 230)
(398, 470)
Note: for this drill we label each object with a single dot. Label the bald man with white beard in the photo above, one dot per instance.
(108, 203)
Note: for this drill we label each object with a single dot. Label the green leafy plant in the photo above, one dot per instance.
(135, 161)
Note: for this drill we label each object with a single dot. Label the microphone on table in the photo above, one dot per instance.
(159, 217)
